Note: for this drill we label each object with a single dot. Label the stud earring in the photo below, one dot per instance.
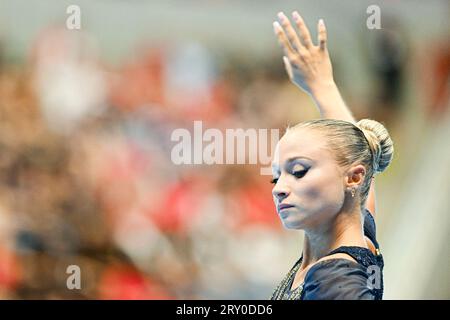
(353, 192)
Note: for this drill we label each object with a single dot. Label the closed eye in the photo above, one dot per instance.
(297, 174)
(300, 174)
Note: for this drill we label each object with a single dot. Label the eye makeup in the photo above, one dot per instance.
(297, 167)
(298, 170)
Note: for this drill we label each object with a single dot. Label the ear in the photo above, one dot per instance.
(355, 176)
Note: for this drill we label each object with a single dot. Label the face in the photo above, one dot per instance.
(309, 183)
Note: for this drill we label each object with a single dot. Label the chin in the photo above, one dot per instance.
(293, 223)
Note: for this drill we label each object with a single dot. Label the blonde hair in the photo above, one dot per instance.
(367, 142)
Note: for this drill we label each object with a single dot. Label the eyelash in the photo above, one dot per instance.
(300, 174)
(297, 174)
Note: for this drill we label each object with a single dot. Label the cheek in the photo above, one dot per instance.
(322, 192)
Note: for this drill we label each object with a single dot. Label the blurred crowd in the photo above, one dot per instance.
(86, 176)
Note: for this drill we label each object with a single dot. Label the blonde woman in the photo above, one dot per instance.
(323, 180)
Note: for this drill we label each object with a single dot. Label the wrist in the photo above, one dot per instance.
(326, 96)
(322, 88)
(329, 101)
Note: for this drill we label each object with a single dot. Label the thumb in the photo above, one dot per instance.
(288, 66)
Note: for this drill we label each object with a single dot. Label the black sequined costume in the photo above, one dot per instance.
(340, 278)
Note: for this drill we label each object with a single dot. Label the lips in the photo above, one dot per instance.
(284, 206)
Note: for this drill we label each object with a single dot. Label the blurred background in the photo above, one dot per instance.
(86, 117)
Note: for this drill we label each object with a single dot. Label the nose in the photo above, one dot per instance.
(280, 191)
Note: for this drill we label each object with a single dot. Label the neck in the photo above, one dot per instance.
(345, 229)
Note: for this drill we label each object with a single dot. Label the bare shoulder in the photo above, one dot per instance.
(337, 256)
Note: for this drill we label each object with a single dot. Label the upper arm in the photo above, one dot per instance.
(370, 231)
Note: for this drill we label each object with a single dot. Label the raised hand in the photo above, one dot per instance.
(308, 65)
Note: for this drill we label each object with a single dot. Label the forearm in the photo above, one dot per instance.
(330, 103)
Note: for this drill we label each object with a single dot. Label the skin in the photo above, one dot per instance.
(309, 68)
(324, 208)
(308, 177)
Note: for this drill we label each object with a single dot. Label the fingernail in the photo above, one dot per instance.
(296, 15)
(276, 26)
(321, 22)
(281, 16)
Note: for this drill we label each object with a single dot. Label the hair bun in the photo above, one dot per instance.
(380, 143)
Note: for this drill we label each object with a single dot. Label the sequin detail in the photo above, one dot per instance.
(363, 256)
(283, 291)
